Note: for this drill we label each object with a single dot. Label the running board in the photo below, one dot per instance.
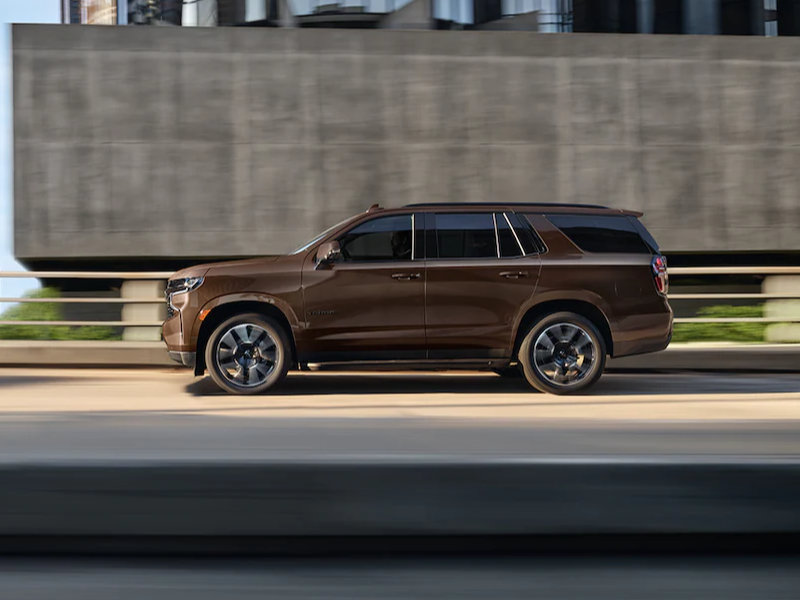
(481, 364)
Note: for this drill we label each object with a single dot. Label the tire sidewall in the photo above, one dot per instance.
(538, 380)
(275, 331)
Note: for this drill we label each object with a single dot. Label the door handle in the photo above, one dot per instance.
(514, 274)
(405, 276)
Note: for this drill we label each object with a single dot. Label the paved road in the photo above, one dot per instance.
(453, 395)
(169, 415)
(615, 578)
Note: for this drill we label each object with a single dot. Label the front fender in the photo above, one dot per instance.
(281, 305)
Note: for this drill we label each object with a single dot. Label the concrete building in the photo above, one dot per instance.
(157, 146)
(94, 12)
(729, 17)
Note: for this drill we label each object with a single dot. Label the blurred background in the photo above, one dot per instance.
(193, 131)
(141, 136)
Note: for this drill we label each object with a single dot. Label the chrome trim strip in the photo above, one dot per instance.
(511, 227)
(496, 236)
(413, 236)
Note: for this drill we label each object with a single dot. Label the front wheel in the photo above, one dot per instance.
(563, 353)
(247, 354)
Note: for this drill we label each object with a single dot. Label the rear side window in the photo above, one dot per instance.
(530, 242)
(601, 233)
(465, 235)
(505, 237)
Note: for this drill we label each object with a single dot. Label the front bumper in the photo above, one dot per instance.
(187, 359)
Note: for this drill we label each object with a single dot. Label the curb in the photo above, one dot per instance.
(428, 498)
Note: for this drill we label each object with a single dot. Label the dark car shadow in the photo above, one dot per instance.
(376, 384)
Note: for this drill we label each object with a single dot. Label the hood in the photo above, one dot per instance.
(201, 270)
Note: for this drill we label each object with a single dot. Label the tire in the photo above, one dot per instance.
(554, 353)
(248, 354)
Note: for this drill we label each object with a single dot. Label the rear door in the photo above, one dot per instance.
(478, 279)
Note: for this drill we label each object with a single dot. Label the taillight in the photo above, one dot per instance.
(660, 275)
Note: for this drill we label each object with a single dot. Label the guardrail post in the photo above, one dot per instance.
(143, 288)
(789, 309)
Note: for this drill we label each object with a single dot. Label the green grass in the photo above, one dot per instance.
(722, 332)
(47, 311)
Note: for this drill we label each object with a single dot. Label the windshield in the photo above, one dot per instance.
(318, 237)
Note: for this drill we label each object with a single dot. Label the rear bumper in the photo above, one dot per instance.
(187, 359)
(646, 333)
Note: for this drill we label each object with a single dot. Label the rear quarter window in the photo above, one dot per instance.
(602, 233)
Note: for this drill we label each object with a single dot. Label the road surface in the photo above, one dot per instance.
(437, 578)
(726, 396)
(167, 414)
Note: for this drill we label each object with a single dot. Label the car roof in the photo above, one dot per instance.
(542, 207)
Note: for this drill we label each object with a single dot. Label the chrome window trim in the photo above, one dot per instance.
(413, 236)
(516, 237)
(496, 235)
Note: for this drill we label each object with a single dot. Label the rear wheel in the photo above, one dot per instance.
(563, 353)
(247, 354)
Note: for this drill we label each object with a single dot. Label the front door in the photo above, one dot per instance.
(369, 304)
(478, 279)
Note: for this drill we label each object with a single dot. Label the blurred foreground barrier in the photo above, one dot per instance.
(141, 296)
(143, 310)
(780, 290)
(385, 498)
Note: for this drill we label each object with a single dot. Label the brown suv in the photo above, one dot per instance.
(548, 289)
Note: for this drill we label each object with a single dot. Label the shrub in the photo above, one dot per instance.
(722, 332)
(47, 311)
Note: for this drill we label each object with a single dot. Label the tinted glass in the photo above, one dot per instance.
(466, 235)
(601, 233)
(529, 240)
(648, 239)
(383, 238)
(508, 243)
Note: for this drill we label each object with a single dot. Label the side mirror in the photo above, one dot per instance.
(328, 252)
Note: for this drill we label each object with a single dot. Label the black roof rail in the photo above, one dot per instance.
(520, 204)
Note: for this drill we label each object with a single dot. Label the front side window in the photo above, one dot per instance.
(382, 238)
(465, 235)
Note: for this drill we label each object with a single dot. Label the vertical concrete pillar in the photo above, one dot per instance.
(255, 10)
(139, 312)
(701, 16)
(645, 16)
(778, 309)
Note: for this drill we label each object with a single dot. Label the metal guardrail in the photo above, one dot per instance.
(735, 296)
(115, 275)
(164, 275)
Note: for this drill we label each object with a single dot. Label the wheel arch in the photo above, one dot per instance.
(225, 310)
(580, 307)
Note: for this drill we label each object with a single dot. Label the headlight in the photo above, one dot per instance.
(180, 286)
(183, 285)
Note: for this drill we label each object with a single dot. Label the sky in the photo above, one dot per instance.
(13, 11)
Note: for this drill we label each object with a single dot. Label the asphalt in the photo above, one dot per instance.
(560, 578)
(117, 416)
(167, 415)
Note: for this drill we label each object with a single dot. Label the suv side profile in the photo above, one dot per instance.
(546, 289)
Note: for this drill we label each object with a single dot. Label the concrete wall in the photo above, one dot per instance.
(166, 142)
